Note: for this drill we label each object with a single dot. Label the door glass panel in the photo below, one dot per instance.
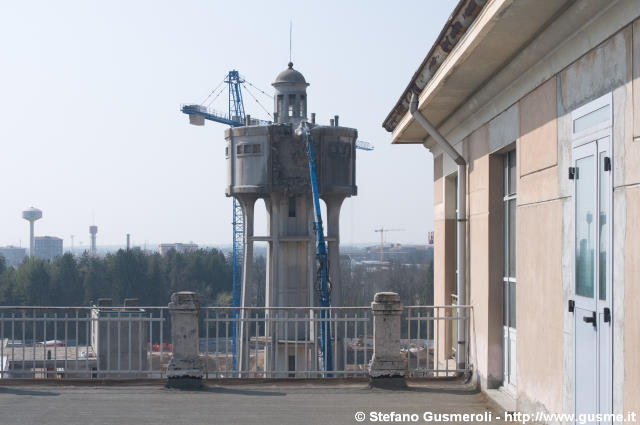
(505, 175)
(603, 224)
(512, 305)
(592, 118)
(505, 303)
(505, 239)
(585, 226)
(512, 172)
(512, 238)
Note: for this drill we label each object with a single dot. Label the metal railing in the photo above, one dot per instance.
(83, 342)
(428, 345)
(284, 342)
(281, 342)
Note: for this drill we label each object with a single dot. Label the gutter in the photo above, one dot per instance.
(461, 225)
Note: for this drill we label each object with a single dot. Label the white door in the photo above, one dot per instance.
(592, 282)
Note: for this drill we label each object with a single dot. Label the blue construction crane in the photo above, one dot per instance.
(235, 118)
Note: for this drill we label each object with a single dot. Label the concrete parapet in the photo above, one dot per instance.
(388, 367)
(186, 368)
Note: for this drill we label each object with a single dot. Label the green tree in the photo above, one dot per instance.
(66, 284)
(33, 282)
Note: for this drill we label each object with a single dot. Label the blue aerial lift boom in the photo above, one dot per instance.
(323, 285)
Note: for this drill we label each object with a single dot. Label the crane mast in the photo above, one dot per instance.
(235, 118)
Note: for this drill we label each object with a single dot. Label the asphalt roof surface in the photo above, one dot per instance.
(246, 404)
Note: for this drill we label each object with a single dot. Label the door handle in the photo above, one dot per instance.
(590, 319)
(607, 314)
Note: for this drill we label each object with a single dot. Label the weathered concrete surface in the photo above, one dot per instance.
(444, 260)
(186, 368)
(386, 361)
(539, 310)
(264, 404)
(485, 256)
(632, 294)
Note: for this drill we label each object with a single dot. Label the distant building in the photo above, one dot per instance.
(13, 255)
(180, 247)
(48, 247)
(372, 265)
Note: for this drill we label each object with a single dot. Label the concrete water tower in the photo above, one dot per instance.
(270, 162)
(93, 231)
(31, 215)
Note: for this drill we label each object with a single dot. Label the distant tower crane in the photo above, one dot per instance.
(382, 231)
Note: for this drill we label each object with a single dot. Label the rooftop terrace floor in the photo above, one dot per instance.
(280, 403)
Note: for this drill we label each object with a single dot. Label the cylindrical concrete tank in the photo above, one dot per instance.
(336, 147)
(247, 157)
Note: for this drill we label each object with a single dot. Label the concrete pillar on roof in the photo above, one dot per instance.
(387, 367)
(186, 368)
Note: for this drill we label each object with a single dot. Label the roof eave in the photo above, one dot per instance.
(459, 21)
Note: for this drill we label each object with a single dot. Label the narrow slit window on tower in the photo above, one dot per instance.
(292, 102)
(280, 106)
(292, 207)
(303, 106)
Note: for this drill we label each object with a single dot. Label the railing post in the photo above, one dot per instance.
(186, 368)
(388, 368)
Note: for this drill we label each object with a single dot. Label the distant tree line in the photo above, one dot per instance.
(150, 277)
(413, 282)
(359, 283)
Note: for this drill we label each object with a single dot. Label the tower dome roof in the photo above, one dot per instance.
(290, 75)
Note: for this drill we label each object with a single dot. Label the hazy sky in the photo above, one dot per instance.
(90, 123)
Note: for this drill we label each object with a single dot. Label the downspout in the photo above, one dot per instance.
(461, 351)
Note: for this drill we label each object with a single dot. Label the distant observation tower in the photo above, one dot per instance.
(93, 231)
(31, 215)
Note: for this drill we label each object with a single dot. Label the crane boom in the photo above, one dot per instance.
(323, 287)
(199, 113)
